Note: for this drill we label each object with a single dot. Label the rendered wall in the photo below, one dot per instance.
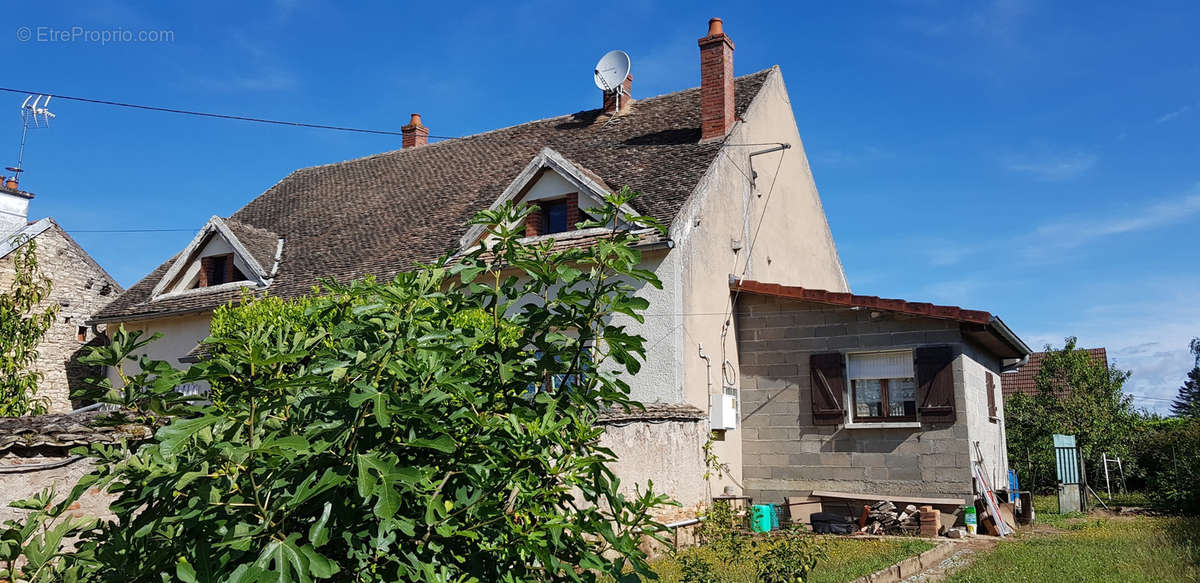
(775, 231)
(785, 453)
(180, 336)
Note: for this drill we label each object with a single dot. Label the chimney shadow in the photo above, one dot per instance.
(672, 137)
(580, 120)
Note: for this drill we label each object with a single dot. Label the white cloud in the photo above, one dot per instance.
(1072, 233)
(1174, 114)
(1051, 167)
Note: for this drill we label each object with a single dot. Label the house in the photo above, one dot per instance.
(79, 286)
(1024, 381)
(722, 165)
(859, 394)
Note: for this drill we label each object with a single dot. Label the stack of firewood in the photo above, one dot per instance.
(883, 518)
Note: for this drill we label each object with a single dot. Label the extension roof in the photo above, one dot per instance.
(384, 213)
(990, 331)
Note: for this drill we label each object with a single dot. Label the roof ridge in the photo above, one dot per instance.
(509, 127)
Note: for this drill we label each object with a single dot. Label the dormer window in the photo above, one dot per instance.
(218, 269)
(554, 217)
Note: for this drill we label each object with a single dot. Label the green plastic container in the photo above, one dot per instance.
(761, 517)
(971, 520)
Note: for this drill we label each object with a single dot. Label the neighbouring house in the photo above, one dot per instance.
(79, 286)
(722, 165)
(858, 394)
(1024, 381)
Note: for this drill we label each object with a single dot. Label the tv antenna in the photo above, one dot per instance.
(610, 73)
(35, 113)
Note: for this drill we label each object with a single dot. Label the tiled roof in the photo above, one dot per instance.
(978, 325)
(261, 243)
(63, 430)
(383, 213)
(1024, 380)
(852, 300)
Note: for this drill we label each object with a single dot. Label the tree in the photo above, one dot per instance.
(1078, 396)
(1187, 402)
(22, 327)
(437, 427)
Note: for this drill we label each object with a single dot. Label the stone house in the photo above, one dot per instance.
(698, 159)
(80, 288)
(859, 394)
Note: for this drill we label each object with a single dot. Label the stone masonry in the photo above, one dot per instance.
(80, 288)
(785, 453)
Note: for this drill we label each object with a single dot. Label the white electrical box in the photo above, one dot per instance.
(722, 410)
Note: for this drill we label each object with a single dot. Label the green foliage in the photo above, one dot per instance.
(399, 431)
(1169, 452)
(1076, 396)
(780, 557)
(1187, 402)
(1135, 550)
(843, 559)
(146, 395)
(32, 549)
(22, 327)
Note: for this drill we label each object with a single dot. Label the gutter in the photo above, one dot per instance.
(999, 328)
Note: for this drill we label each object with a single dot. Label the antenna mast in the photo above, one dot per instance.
(35, 113)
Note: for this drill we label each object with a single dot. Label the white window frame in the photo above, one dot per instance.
(852, 405)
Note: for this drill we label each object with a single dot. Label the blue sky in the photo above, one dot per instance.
(1038, 160)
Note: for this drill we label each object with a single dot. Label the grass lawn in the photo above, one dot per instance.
(847, 559)
(1133, 549)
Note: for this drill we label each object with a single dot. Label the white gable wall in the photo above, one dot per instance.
(794, 245)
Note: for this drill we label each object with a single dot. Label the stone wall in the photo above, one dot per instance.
(784, 453)
(80, 288)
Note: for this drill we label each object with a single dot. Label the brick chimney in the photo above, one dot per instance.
(716, 82)
(610, 98)
(414, 134)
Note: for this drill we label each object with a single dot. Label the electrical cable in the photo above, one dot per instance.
(216, 115)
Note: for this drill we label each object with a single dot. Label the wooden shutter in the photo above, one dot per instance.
(991, 389)
(828, 373)
(935, 384)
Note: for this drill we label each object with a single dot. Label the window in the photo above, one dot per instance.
(218, 269)
(554, 217)
(81, 333)
(882, 386)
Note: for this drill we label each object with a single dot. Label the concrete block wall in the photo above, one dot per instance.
(784, 452)
(81, 289)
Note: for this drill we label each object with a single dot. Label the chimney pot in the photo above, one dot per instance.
(716, 82)
(715, 27)
(414, 134)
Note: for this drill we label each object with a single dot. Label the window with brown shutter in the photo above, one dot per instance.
(935, 384)
(991, 392)
(828, 388)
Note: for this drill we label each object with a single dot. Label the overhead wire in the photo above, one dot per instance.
(300, 124)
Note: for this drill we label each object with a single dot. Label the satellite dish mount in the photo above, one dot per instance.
(610, 74)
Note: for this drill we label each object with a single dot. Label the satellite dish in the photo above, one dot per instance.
(612, 70)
